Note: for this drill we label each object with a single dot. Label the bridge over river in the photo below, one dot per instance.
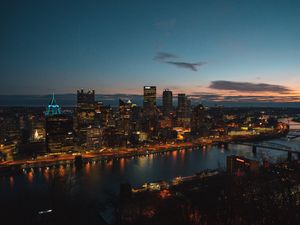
(293, 134)
(270, 146)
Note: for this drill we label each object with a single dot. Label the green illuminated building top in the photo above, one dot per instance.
(53, 108)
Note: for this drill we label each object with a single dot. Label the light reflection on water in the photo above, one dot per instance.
(30, 176)
(46, 174)
(122, 164)
(11, 181)
(95, 179)
(161, 166)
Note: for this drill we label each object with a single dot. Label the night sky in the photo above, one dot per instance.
(242, 49)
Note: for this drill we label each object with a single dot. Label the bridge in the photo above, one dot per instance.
(294, 134)
(268, 145)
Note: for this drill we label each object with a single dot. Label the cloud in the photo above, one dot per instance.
(248, 87)
(165, 58)
(186, 65)
(243, 100)
(161, 56)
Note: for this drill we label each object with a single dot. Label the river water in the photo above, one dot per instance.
(34, 190)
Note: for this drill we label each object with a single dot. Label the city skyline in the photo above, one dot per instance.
(150, 112)
(236, 50)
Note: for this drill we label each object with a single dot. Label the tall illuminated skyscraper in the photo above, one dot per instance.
(149, 122)
(198, 125)
(149, 96)
(59, 129)
(53, 108)
(85, 97)
(85, 113)
(167, 102)
(182, 101)
(183, 111)
(125, 113)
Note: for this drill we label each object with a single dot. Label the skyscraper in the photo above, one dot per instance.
(85, 97)
(149, 96)
(181, 101)
(149, 122)
(125, 113)
(183, 111)
(167, 102)
(198, 121)
(85, 113)
(53, 108)
(59, 129)
(59, 133)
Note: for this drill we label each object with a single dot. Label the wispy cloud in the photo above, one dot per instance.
(186, 65)
(165, 57)
(248, 87)
(210, 97)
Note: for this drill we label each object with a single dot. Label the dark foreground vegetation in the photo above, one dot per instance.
(270, 196)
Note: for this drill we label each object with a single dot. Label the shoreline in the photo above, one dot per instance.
(21, 165)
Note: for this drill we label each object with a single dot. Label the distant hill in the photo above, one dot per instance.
(68, 100)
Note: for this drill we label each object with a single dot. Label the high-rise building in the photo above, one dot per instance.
(85, 97)
(85, 113)
(59, 129)
(198, 121)
(53, 108)
(37, 128)
(94, 138)
(167, 102)
(149, 121)
(59, 133)
(106, 117)
(125, 114)
(182, 101)
(183, 113)
(149, 96)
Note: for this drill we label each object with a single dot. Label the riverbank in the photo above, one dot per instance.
(297, 120)
(109, 154)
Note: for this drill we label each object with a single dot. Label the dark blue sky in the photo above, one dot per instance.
(119, 46)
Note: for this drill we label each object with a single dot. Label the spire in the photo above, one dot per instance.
(53, 108)
(53, 101)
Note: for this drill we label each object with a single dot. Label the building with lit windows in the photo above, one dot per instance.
(167, 102)
(94, 138)
(183, 112)
(149, 96)
(59, 129)
(85, 113)
(240, 165)
(53, 108)
(198, 121)
(125, 116)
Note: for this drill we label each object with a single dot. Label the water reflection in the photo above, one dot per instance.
(61, 171)
(11, 181)
(97, 177)
(88, 168)
(30, 176)
(109, 164)
(142, 162)
(46, 174)
(182, 154)
(122, 164)
(174, 155)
